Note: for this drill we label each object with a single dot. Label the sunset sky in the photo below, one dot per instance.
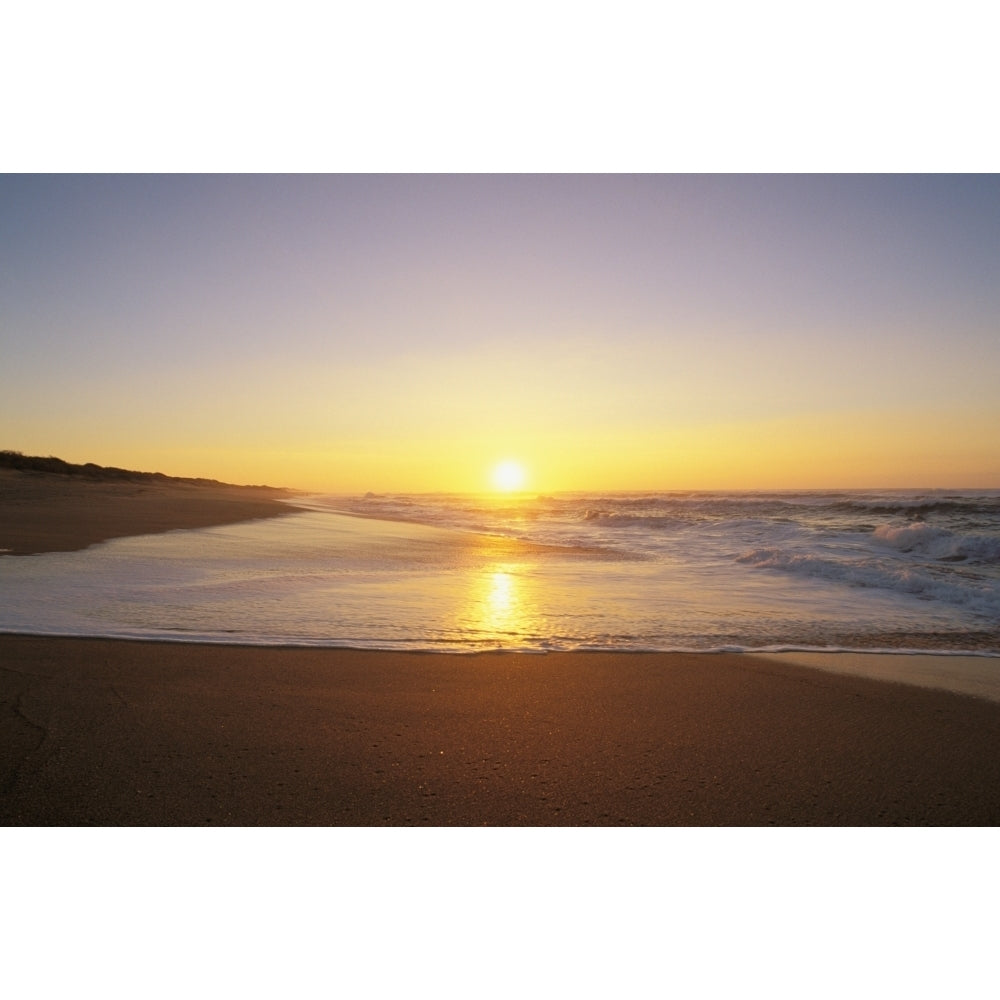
(352, 333)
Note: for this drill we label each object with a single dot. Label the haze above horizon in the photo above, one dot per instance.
(411, 333)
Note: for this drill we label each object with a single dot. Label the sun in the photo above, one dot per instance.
(509, 476)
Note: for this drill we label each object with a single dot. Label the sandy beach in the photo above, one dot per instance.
(134, 733)
(42, 512)
(142, 733)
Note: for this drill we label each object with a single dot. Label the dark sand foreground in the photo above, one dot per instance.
(133, 733)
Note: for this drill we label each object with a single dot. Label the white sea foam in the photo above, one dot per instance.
(980, 597)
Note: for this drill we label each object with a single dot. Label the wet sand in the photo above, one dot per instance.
(139, 733)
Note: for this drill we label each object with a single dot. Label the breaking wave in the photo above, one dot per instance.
(939, 543)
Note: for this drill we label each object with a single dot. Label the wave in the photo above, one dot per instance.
(974, 594)
(937, 546)
(809, 503)
(615, 519)
(921, 506)
(939, 543)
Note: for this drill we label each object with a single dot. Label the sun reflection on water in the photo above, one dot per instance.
(497, 608)
(502, 600)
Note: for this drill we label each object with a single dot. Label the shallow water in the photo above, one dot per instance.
(582, 571)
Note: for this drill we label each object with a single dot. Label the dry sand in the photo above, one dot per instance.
(42, 512)
(975, 675)
(139, 733)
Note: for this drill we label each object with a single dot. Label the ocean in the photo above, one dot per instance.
(880, 571)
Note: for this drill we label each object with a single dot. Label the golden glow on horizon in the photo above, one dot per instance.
(856, 450)
(915, 448)
(509, 476)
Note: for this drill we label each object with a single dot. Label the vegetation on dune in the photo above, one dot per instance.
(56, 466)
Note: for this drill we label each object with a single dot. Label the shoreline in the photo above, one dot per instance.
(129, 732)
(963, 672)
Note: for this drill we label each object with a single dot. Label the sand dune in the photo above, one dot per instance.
(50, 512)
